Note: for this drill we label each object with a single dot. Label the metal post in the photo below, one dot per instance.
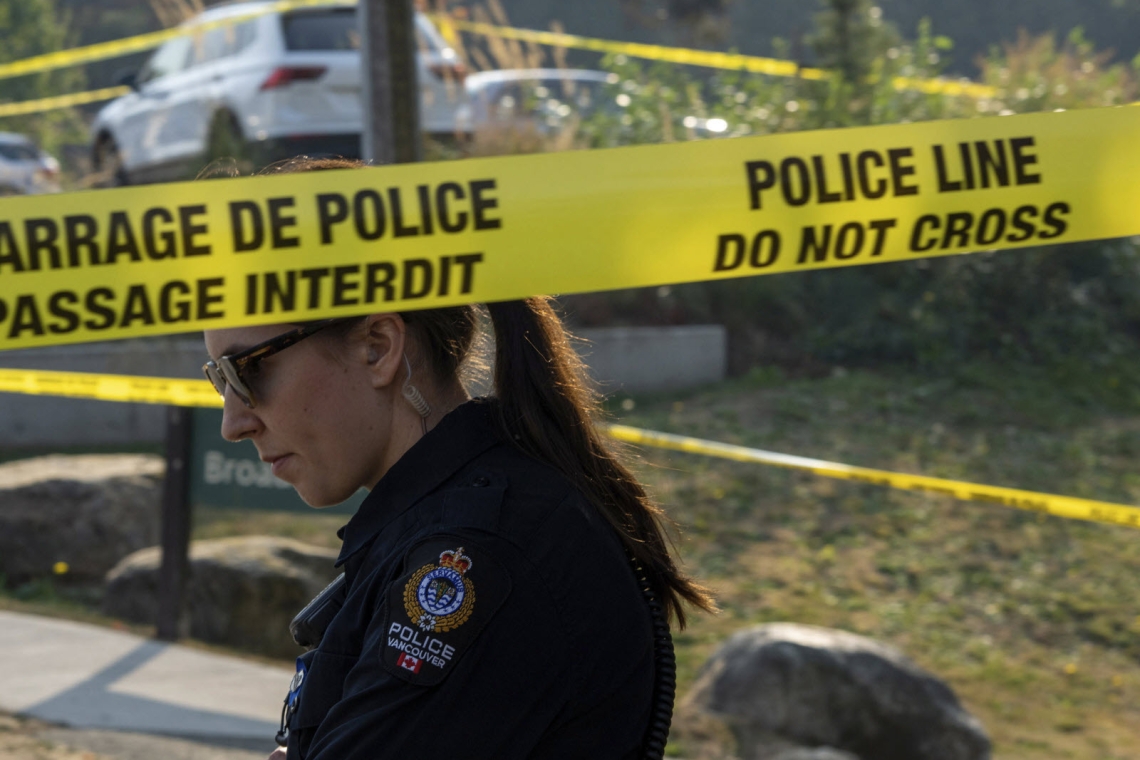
(176, 521)
(390, 93)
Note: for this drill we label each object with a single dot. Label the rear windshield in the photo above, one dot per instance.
(321, 30)
(337, 29)
(16, 152)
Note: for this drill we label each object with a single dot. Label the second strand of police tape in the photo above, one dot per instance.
(198, 393)
(685, 56)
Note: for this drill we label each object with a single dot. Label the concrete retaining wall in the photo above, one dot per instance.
(627, 359)
(641, 359)
(34, 421)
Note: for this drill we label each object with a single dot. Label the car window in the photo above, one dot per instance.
(221, 42)
(244, 35)
(582, 94)
(334, 29)
(17, 152)
(506, 95)
(542, 95)
(170, 59)
(339, 29)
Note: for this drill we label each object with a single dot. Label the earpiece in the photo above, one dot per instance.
(413, 395)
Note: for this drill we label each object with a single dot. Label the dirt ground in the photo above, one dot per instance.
(24, 739)
(21, 739)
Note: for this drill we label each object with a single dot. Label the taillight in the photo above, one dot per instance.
(455, 72)
(286, 75)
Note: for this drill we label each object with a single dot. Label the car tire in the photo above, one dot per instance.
(108, 164)
(226, 147)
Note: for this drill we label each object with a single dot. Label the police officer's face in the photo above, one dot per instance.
(320, 417)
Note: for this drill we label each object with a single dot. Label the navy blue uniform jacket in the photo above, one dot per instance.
(491, 613)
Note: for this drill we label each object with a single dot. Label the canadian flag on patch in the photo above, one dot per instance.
(407, 662)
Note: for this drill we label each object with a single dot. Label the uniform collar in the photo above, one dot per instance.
(465, 433)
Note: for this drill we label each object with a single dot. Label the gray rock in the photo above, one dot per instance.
(88, 511)
(832, 690)
(242, 591)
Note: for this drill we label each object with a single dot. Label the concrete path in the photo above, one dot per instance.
(87, 677)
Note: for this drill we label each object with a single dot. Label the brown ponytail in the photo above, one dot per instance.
(548, 409)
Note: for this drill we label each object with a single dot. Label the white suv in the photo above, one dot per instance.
(272, 86)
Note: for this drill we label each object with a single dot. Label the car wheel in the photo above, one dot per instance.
(226, 147)
(109, 171)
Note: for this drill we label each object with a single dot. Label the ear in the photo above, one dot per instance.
(383, 346)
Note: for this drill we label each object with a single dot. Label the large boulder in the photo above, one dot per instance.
(242, 591)
(88, 511)
(833, 694)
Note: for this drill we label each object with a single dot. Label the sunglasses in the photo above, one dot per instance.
(233, 371)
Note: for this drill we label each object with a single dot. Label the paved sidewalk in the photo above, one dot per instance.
(84, 676)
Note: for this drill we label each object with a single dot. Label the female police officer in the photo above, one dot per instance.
(491, 607)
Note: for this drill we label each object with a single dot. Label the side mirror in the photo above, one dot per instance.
(128, 78)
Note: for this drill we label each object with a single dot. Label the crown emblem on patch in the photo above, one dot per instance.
(440, 597)
(456, 560)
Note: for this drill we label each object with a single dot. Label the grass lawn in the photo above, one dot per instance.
(1033, 620)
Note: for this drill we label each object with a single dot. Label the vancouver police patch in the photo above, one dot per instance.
(433, 614)
(440, 598)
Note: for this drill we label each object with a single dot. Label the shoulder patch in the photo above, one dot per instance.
(437, 609)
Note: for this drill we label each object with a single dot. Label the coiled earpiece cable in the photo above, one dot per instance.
(414, 397)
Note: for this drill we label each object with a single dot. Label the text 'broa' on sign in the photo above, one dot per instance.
(287, 248)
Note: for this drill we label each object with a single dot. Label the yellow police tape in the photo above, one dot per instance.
(123, 388)
(116, 48)
(688, 56)
(24, 107)
(259, 250)
(199, 393)
(1051, 504)
(706, 58)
